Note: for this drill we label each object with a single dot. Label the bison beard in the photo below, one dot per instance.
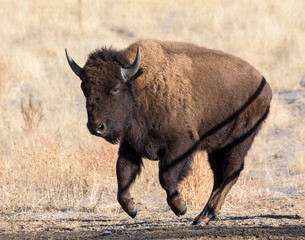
(176, 100)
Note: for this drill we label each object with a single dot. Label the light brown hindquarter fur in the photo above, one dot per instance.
(189, 89)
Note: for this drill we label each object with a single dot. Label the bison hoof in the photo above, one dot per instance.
(133, 214)
(178, 213)
(183, 212)
(177, 205)
(206, 218)
(198, 221)
(128, 206)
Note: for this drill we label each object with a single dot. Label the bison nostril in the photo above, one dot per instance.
(97, 130)
(101, 128)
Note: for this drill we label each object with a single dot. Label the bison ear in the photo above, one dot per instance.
(75, 68)
(129, 72)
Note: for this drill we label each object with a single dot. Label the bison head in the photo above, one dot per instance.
(106, 84)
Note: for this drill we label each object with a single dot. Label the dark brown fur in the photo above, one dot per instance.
(185, 98)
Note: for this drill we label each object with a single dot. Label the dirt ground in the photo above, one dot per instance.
(282, 218)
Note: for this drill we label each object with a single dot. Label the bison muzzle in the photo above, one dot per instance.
(165, 101)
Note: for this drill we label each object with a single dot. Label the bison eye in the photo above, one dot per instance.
(115, 91)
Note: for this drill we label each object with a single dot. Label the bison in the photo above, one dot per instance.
(165, 101)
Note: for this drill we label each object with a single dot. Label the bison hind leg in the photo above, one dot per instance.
(226, 164)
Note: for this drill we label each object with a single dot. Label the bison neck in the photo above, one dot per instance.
(143, 137)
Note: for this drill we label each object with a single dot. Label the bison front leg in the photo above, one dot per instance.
(128, 167)
(172, 170)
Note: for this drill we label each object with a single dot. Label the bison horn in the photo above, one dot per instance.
(130, 71)
(75, 68)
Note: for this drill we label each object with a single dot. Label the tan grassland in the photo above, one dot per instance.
(48, 159)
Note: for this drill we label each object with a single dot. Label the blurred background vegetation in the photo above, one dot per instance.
(48, 159)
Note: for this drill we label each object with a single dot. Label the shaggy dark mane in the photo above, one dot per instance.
(109, 55)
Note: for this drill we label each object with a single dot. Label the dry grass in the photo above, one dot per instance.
(3, 78)
(197, 186)
(32, 115)
(48, 160)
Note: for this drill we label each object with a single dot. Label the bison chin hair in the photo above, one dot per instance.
(114, 138)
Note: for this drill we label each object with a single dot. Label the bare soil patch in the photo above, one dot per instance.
(273, 219)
